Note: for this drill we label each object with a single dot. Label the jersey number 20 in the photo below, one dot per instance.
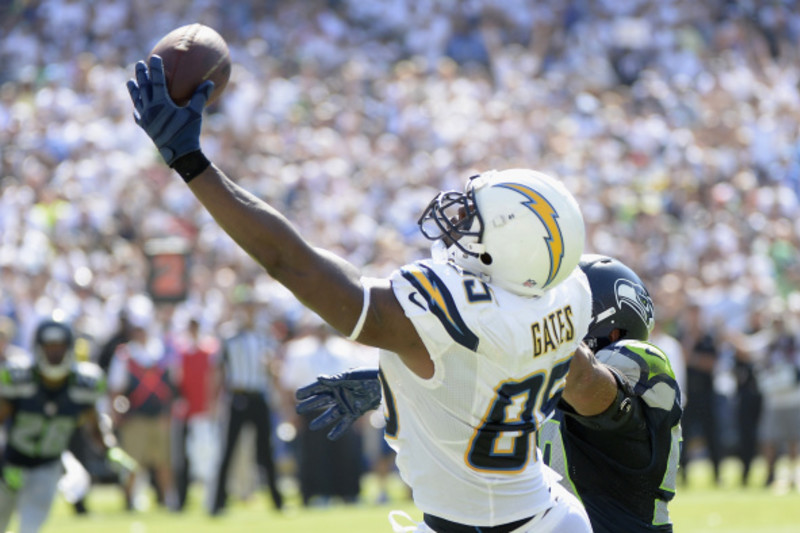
(38, 436)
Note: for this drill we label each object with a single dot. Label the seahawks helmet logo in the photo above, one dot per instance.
(636, 298)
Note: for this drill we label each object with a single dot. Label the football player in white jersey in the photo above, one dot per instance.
(615, 435)
(42, 403)
(475, 343)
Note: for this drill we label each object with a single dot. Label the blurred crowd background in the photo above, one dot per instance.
(674, 122)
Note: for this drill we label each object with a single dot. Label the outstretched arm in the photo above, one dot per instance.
(325, 283)
(321, 280)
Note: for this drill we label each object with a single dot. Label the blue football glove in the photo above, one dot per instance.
(344, 396)
(174, 130)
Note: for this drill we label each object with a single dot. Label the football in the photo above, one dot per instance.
(193, 54)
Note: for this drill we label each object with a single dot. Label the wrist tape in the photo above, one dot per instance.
(189, 166)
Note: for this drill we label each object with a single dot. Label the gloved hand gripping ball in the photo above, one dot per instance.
(174, 130)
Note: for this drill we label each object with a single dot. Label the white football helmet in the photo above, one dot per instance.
(520, 229)
(53, 345)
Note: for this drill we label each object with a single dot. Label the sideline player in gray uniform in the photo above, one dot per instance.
(42, 402)
(617, 449)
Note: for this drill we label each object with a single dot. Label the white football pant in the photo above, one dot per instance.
(33, 500)
(566, 516)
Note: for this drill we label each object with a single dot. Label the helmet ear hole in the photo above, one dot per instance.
(486, 259)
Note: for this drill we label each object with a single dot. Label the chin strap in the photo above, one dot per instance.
(476, 248)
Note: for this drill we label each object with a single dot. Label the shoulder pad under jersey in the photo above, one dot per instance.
(87, 382)
(647, 369)
(17, 379)
(440, 290)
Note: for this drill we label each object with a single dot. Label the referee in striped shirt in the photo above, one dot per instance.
(246, 383)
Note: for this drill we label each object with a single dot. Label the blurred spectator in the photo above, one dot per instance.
(141, 397)
(672, 347)
(750, 349)
(8, 349)
(701, 425)
(780, 385)
(466, 45)
(192, 373)
(245, 385)
(109, 347)
(329, 470)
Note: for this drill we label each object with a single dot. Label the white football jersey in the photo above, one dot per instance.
(466, 438)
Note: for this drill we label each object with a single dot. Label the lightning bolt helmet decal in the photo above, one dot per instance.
(519, 229)
(549, 217)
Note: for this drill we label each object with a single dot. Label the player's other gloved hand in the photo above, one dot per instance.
(174, 130)
(121, 463)
(344, 396)
(12, 477)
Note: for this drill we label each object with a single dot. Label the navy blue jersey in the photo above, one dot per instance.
(43, 419)
(623, 463)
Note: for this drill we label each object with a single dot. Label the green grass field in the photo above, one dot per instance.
(698, 508)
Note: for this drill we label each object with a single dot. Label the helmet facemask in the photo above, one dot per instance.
(53, 349)
(453, 218)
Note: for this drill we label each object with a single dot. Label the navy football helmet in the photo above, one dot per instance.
(53, 344)
(619, 301)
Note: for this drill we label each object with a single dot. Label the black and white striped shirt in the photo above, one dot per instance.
(245, 357)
